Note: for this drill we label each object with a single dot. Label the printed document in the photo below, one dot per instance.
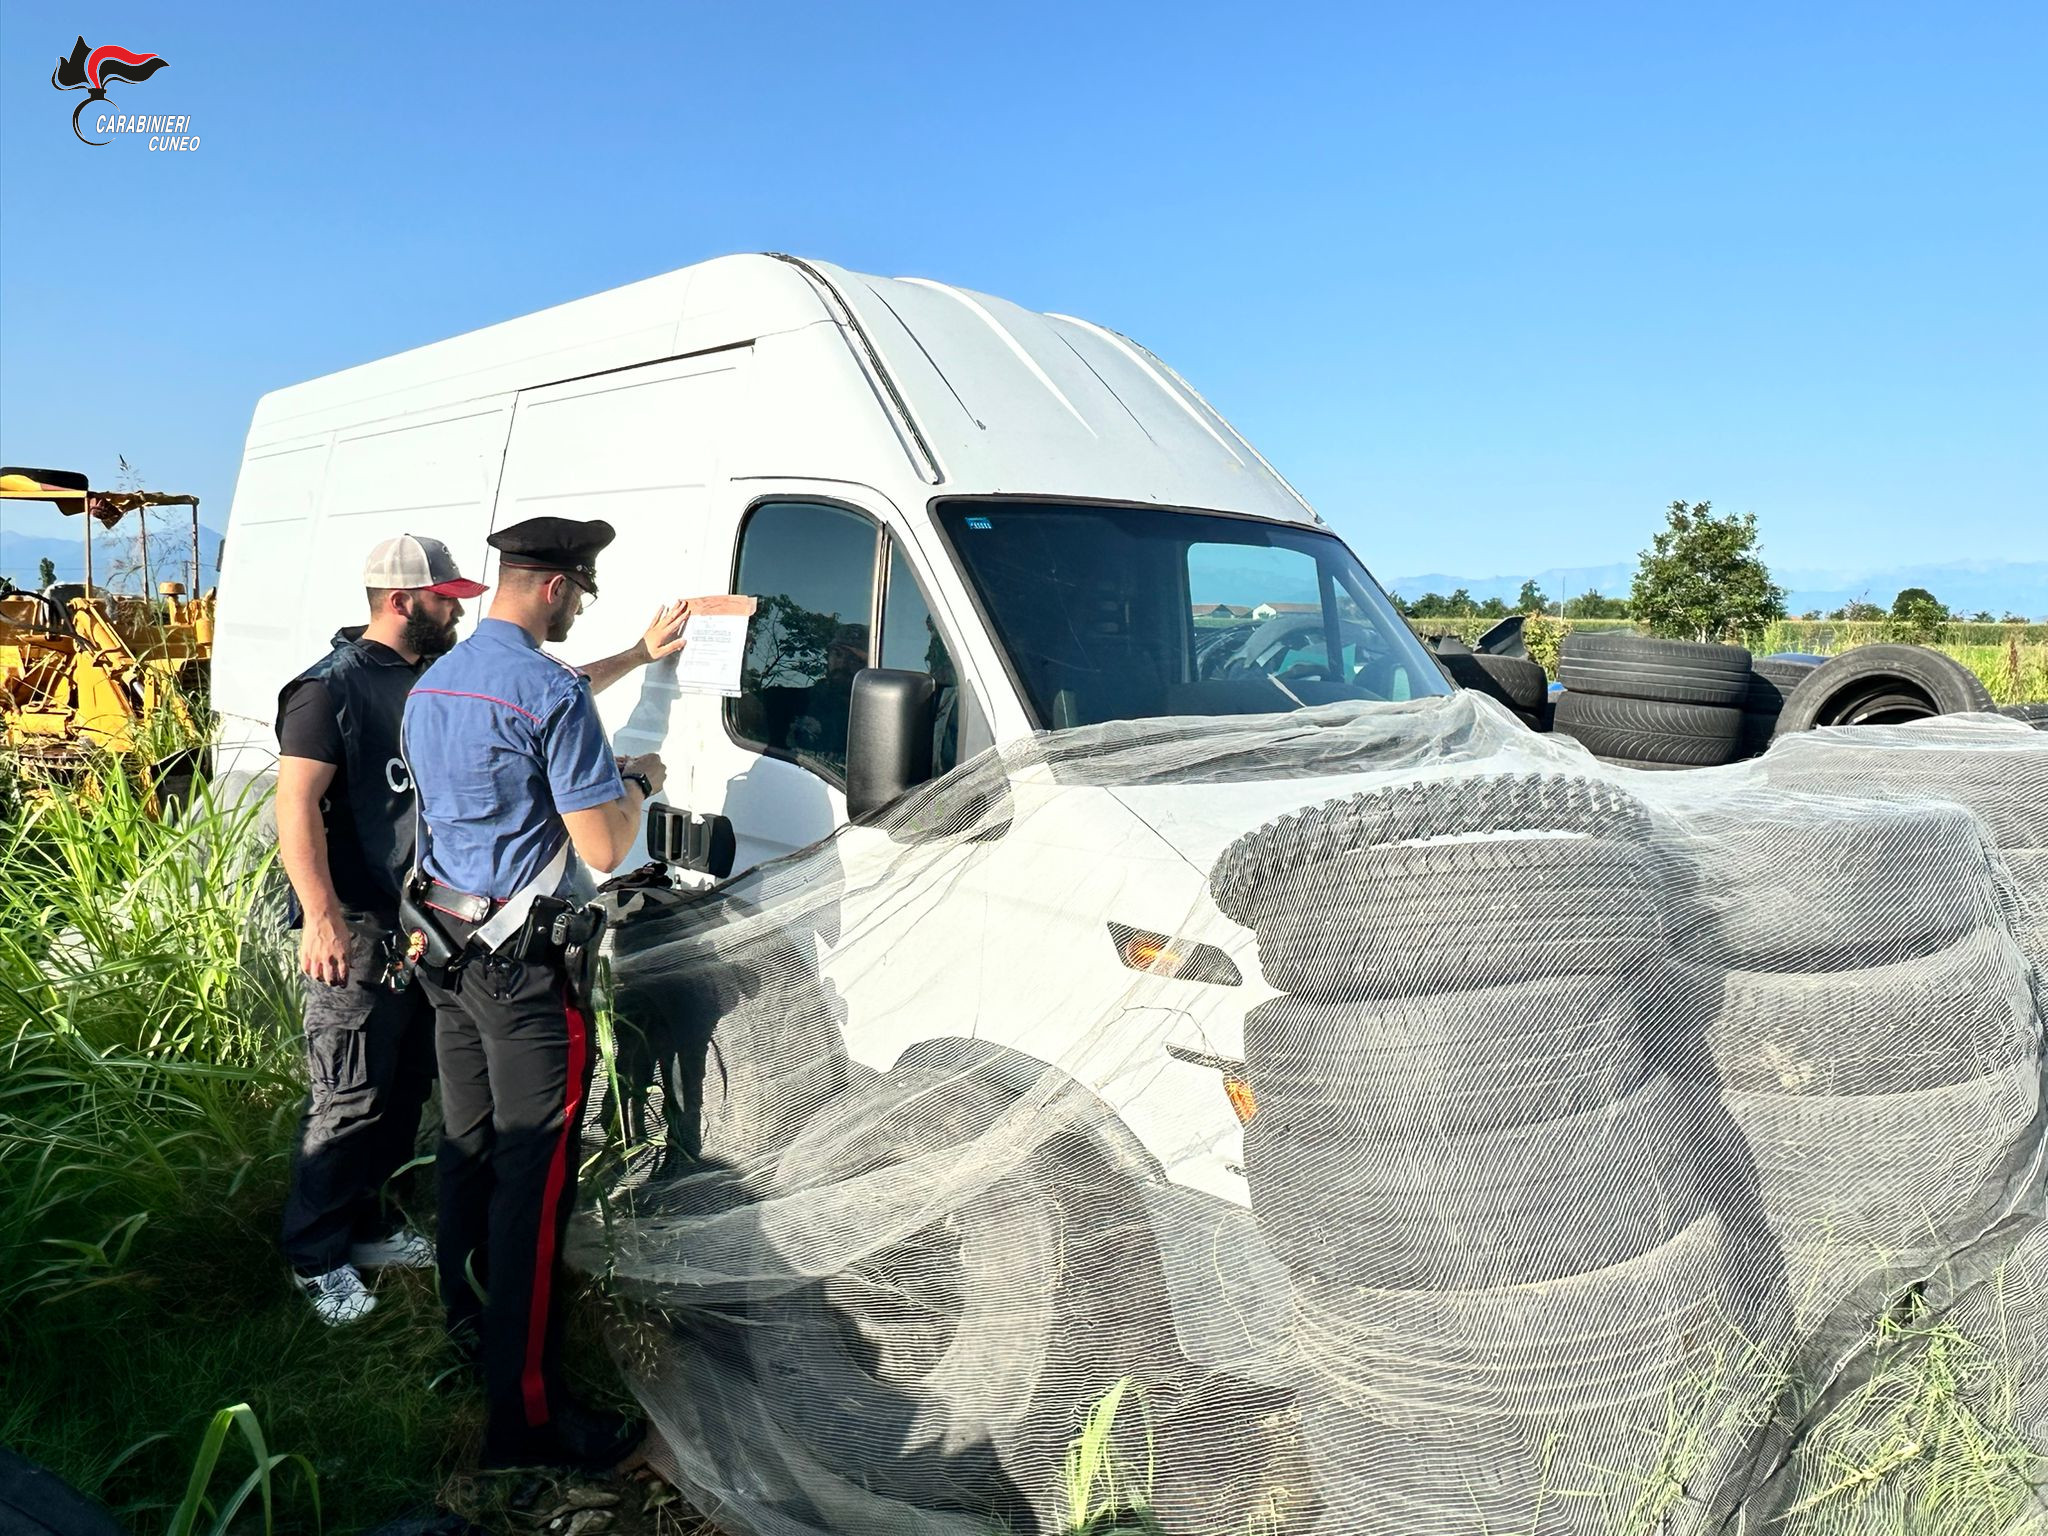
(714, 645)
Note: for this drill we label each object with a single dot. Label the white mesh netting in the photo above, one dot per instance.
(1619, 1151)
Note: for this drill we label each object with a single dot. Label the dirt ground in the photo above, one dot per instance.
(633, 1501)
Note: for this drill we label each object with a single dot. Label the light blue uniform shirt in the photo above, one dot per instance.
(502, 739)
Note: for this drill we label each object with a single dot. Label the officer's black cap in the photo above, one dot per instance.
(555, 544)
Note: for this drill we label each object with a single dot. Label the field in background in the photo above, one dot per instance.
(2012, 659)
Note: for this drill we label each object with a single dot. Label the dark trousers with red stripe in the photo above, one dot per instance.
(516, 1058)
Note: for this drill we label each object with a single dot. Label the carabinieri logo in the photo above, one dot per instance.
(89, 71)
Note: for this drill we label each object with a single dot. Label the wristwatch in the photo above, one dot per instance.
(646, 784)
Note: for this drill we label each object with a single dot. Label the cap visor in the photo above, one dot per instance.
(461, 586)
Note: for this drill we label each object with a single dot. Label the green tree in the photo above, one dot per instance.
(1493, 608)
(1982, 616)
(1594, 604)
(46, 573)
(1918, 615)
(1531, 598)
(1858, 612)
(1702, 579)
(1460, 604)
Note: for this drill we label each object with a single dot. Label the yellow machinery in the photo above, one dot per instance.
(84, 670)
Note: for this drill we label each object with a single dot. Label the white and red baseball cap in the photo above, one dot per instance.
(410, 563)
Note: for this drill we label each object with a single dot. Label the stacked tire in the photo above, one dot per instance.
(1648, 703)
(1990, 769)
(1875, 1035)
(1511, 1230)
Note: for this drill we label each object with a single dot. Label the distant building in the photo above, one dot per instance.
(1222, 611)
(1275, 610)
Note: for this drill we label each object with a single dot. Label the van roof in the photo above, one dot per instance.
(986, 396)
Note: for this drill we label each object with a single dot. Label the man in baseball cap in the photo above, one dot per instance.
(345, 833)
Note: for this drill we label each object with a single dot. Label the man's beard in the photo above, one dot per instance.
(563, 618)
(425, 636)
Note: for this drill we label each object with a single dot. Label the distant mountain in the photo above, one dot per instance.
(1966, 586)
(20, 553)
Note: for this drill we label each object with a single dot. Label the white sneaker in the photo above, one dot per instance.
(403, 1249)
(339, 1296)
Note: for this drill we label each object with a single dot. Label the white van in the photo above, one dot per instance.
(1029, 509)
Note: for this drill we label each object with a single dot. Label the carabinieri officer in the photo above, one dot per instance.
(513, 773)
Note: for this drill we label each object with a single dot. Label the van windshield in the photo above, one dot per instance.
(1126, 613)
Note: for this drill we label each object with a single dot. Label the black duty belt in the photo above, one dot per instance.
(460, 905)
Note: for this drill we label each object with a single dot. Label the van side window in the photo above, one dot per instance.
(812, 567)
(911, 642)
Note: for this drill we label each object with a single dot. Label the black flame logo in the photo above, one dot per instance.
(87, 70)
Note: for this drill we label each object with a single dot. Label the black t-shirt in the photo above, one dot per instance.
(307, 727)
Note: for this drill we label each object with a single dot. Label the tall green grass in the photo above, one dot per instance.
(149, 1077)
(2015, 674)
(1104, 1495)
(195, 1506)
(151, 1071)
(1924, 1445)
(144, 992)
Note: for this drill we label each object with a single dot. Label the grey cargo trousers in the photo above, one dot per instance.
(369, 1069)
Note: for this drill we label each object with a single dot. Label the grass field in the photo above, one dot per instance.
(150, 1079)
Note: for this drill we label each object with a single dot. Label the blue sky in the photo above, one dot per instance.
(1490, 283)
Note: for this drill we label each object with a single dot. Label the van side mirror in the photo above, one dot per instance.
(888, 738)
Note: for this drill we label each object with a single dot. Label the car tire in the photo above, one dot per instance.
(1594, 1337)
(1883, 685)
(1536, 906)
(1997, 770)
(1520, 1206)
(2027, 906)
(1962, 1013)
(1469, 1411)
(1449, 1063)
(2035, 715)
(747, 1040)
(1516, 681)
(1771, 682)
(1033, 1297)
(1852, 1182)
(1359, 827)
(1823, 884)
(1757, 731)
(1648, 731)
(1642, 667)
